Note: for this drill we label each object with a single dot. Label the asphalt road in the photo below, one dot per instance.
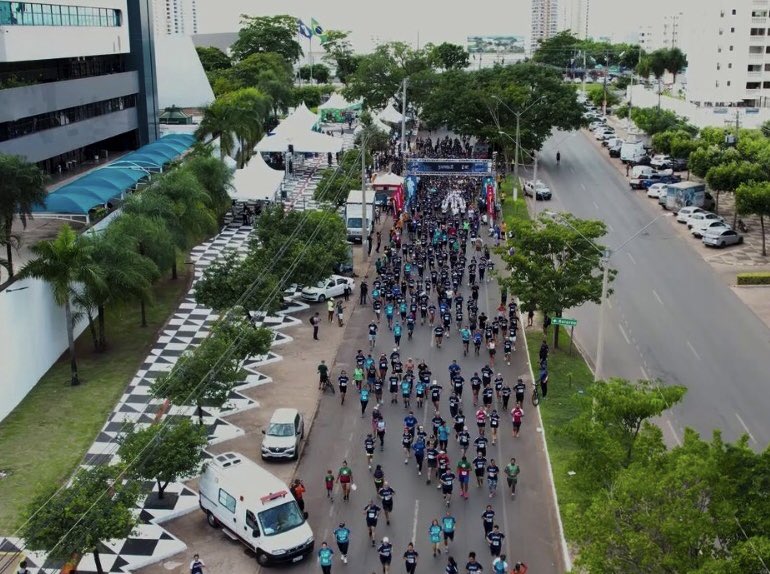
(528, 521)
(670, 316)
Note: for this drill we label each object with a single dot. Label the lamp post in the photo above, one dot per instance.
(364, 205)
(606, 255)
(517, 141)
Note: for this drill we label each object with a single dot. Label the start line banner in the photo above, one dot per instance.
(467, 167)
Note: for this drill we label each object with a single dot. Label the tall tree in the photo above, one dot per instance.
(22, 187)
(557, 263)
(215, 177)
(63, 263)
(339, 53)
(754, 199)
(268, 34)
(730, 176)
(12, 240)
(217, 124)
(163, 452)
(558, 51)
(248, 108)
(447, 56)
(676, 61)
(96, 507)
(212, 58)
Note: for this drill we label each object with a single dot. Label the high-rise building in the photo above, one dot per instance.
(545, 21)
(664, 32)
(76, 81)
(176, 17)
(575, 17)
(727, 44)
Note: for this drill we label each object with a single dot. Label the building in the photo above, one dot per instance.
(663, 33)
(545, 21)
(174, 17)
(575, 15)
(728, 51)
(77, 81)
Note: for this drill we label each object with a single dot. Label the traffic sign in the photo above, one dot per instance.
(563, 321)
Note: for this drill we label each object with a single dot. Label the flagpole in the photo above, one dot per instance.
(310, 55)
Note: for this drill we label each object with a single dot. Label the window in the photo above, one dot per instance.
(34, 14)
(734, 12)
(730, 66)
(732, 30)
(731, 48)
(227, 501)
(728, 82)
(766, 85)
(251, 521)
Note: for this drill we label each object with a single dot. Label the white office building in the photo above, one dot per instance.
(545, 22)
(174, 17)
(664, 32)
(727, 43)
(575, 17)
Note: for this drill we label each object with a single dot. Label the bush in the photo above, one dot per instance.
(757, 278)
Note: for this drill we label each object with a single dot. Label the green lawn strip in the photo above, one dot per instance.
(569, 379)
(48, 433)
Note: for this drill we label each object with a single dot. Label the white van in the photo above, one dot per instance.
(641, 170)
(254, 507)
(632, 152)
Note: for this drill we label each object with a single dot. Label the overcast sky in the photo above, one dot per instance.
(435, 22)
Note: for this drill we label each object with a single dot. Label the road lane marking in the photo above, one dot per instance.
(748, 432)
(583, 187)
(644, 373)
(631, 257)
(596, 205)
(414, 522)
(609, 303)
(673, 432)
(623, 332)
(655, 293)
(694, 352)
(610, 229)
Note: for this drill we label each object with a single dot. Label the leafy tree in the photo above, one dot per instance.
(12, 240)
(215, 177)
(765, 128)
(676, 61)
(556, 263)
(375, 138)
(310, 95)
(22, 186)
(63, 263)
(336, 182)
(596, 94)
(754, 199)
(276, 34)
(217, 124)
(213, 58)
(270, 74)
(96, 507)
(653, 121)
(232, 280)
(558, 51)
(730, 176)
(206, 375)
(339, 52)
(163, 452)
(447, 56)
(318, 72)
(630, 56)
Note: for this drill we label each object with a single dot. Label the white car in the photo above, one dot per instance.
(537, 189)
(722, 237)
(283, 434)
(655, 189)
(661, 161)
(701, 227)
(683, 214)
(604, 133)
(334, 286)
(701, 217)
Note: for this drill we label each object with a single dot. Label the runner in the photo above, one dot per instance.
(488, 519)
(519, 389)
(494, 424)
(473, 566)
(385, 552)
(517, 413)
(499, 565)
(386, 496)
(495, 540)
(342, 382)
(345, 478)
(373, 329)
(419, 453)
(447, 482)
(432, 455)
(342, 536)
(358, 377)
(364, 398)
(369, 449)
(464, 476)
(475, 387)
(329, 484)
(372, 513)
(434, 535)
(379, 477)
(512, 475)
(448, 525)
(381, 433)
(410, 558)
(492, 473)
(325, 558)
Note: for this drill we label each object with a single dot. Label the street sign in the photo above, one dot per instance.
(563, 321)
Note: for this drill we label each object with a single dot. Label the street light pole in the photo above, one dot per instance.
(364, 206)
(602, 310)
(516, 161)
(403, 120)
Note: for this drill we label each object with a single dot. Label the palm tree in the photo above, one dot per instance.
(248, 109)
(22, 186)
(215, 177)
(63, 262)
(8, 239)
(216, 123)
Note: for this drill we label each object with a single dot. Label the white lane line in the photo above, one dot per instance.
(748, 432)
(414, 522)
(655, 294)
(673, 433)
(609, 303)
(331, 511)
(610, 229)
(645, 376)
(583, 187)
(623, 332)
(596, 205)
(694, 352)
(631, 257)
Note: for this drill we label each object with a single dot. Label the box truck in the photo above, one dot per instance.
(254, 507)
(632, 152)
(686, 193)
(354, 214)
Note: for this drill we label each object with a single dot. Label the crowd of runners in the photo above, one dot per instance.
(427, 284)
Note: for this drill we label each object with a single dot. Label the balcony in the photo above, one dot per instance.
(756, 57)
(754, 75)
(762, 20)
(758, 40)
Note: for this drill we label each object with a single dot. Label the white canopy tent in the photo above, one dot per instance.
(390, 115)
(301, 119)
(388, 180)
(302, 140)
(377, 123)
(256, 182)
(336, 102)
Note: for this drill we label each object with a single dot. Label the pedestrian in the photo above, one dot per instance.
(325, 558)
(517, 413)
(495, 540)
(329, 483)
(410, 558)
(473, 566)
(345, 478)
(330, 304)
(369, 244)
(329, 159)
(315, 320)
(546, 324)
(197, 565)
(341, 313)
(543, 379)
(23, 568)
(451, 566)
(530, 317)
(363, 291)
(385, 552)
(346, 292)
(372, 513)
(499, 565)
(342, 536)
(519, 568)
(512, 475)
(434, 534)
(488, 519)
(543, 353)
(628, 168)
(379, 242)
(297, 489)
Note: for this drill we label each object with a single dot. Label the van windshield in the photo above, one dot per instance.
(355, 222)
(280, 519)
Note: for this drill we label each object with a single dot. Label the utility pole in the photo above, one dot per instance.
(599, 367)
(534, 172)
(403, 120)
(606, 73)
(364, 206)
(516, 162)
(585, 71)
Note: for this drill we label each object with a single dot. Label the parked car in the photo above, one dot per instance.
(538, 190)
(334, 286)
(683, 214)
(345, 268)
(679, 164)
(283, 434)
(663, 197)
(661, 161)
(722, 237)
(701, 216)
(611, 142)
(604, 133)
(701, 227)
(646, 181)
(655, 189)
(614, 151)
(597, 123)
(643, 160)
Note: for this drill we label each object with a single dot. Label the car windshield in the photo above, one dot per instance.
(355, 222)
(280, 519)
(280, 429)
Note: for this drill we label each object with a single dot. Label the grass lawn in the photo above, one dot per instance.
(46, 436)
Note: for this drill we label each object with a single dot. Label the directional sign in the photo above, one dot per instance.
(563, 321)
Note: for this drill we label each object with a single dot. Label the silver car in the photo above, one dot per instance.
(721, 237)
(283, 435)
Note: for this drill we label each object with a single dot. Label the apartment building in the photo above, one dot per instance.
(77, 80)
(545, 21)
(728, 49)
(663, 33)
(575, 17)
(173, 17)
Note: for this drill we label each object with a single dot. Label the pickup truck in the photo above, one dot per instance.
(645, 181)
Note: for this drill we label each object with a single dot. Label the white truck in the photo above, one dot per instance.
(354, 214)
(632, 152)
(254, 507)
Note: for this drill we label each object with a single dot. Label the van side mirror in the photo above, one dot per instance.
(255, 533)
(263, 431)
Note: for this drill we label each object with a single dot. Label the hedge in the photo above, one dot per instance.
(758, 278)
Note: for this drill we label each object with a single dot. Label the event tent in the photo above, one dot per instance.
(302, 140)
(338, 102)
(388, 180)
(301, 119)
(256, 182)
(377, 123)
(390, 115)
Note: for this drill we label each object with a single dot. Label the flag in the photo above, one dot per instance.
(317, 30)
(304, 30)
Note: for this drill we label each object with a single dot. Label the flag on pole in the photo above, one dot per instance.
(317, 30)
(304, 30)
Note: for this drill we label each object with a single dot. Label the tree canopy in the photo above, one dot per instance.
(447, 56)
(259, 34)
(213, 58)
(753, 198)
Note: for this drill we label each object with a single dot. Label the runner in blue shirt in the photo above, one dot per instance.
(389, 314)
(325, 558)
(342, 536)
(406, 391)
(448, 524)
(434, 535)
(397, 334)
(419, 453)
